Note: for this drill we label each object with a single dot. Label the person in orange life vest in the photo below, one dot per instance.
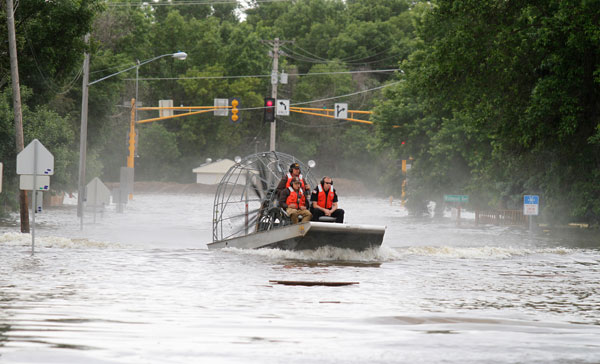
(286, 180)
(325, 201)
(293, 200)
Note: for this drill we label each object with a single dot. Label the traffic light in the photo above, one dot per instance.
(269, 110)
(235, 110)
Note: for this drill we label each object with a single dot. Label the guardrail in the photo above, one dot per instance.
(501, 217)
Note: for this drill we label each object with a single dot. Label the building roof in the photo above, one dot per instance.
(220, 166)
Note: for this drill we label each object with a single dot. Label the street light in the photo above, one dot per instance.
(84, 115)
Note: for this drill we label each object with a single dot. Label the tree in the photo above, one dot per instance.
(512, 98)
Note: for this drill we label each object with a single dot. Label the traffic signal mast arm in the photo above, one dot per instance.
(203, 109)
(328, 113)
(325, 113)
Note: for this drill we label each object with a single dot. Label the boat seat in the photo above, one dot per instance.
(327, 219)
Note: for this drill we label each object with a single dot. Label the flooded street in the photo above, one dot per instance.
(141, 287)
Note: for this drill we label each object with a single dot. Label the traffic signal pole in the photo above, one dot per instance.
(274, 81)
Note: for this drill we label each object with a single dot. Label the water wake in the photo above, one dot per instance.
(387, 254)
(23, 239)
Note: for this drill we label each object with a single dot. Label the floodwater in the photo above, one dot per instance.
(141, 287)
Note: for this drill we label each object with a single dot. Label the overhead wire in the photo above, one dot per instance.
(185, 2)
(354, 58)
(331, 125)
(48, 82)
(263, 76)
(349, 60)
(346, 95)
(312, 54)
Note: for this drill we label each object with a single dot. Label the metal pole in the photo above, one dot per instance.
(95, 200)
(34, 192)
(530, 225)
(274, 89)
(83, 133)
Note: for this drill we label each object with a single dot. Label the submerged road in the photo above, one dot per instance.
(141, 287)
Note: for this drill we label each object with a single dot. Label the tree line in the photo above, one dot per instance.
(493, 99)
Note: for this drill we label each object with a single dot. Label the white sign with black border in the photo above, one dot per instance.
(283, 107)
(341, 111)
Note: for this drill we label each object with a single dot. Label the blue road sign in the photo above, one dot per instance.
(531, 200)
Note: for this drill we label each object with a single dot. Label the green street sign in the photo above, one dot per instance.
(456, 198)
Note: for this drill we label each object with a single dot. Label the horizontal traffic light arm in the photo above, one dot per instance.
(302, 111)
(183, 107)
(295, 108)
(177, 115)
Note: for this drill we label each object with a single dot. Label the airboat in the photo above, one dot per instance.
(246, 214)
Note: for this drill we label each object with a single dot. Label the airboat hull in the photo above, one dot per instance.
(309, 236)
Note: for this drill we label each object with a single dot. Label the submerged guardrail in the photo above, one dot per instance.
(501, 217)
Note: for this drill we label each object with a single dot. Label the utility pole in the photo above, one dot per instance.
(16, 88)
(274, 81)
(83, 132)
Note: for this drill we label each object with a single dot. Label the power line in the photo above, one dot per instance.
(331, 125)
(186, 3)
(330, 98)
(263, 76)
(350, 94)
(353, 60)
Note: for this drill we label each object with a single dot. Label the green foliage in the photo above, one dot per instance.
(49, 44)
(52, 130)
(495, 99)
(507, 102)
(158, 162)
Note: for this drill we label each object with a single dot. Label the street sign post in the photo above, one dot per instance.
(97, 195)
(283, 107)
(42, 183)
(531, 208)
(38, 201)
(1, 176)
(456, 198)
(341, 111)
(531, 205)
(35, 160)
(221, 105)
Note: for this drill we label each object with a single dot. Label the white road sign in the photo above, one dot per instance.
(42, 183)
(97, 194)
(274, 77)
(167, 112)
(283, 107)
(35, 154)
(223, 110)
(341, 111)
(283, 78)
(531, 204)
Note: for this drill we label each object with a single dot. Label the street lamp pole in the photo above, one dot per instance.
(84, 115)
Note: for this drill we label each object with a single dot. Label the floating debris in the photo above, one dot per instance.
(313, 283)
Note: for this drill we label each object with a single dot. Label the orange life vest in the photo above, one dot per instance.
(294, 199)
(325, 200)
(289, 181)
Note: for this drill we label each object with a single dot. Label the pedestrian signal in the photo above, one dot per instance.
(269, 110)
(235, 112)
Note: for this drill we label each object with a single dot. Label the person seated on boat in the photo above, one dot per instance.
(293, 200)
(286, 180)
(324, 201)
